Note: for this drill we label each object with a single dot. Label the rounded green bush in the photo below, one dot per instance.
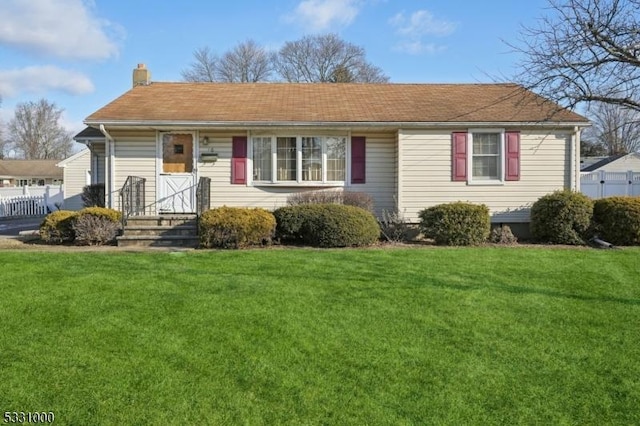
(57, 227)
(562, 217)
(327, 225)
(456, 224)
(617, 220)
(235, 227)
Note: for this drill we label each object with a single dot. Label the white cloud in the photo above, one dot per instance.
(420, 24)
(40, 79)
(61, 28)
(321, 15)
(418, 48)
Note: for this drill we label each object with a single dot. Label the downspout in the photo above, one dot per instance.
(110, 169)
(576, 158)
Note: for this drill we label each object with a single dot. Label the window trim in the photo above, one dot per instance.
(298, 182)
(501, 157)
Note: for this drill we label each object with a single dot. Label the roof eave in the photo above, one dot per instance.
(159, 124)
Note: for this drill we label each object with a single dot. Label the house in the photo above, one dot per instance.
(615, 163)
(615, 175)
(29, 173)
(409, 146)
(77, 174)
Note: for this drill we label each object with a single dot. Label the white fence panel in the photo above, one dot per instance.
(30, 200)
(606, 184)
(23, 206)
(30, 190)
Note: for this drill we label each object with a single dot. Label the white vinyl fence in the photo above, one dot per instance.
(30, 200)
(603, 184)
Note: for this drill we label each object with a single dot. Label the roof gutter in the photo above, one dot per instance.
(264, 124)
(104, 132)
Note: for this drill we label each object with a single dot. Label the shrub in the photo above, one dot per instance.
(456, 224)
(315, 197)
(617, 220)
(349, 198)
(96, 225)
(234, 227)
(57, 227)
(95, 230)
(502, 235)
(93, 195)
(562, 217)
(289, 221)
(107, 213)
(327, 225)
(394, 227)
(358, 199)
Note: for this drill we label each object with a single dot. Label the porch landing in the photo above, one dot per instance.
(172, 230)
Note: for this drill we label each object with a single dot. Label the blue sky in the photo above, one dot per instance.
(80, 53)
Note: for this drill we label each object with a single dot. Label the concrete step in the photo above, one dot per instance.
(162, 220)
(158, 241)
(153, 230)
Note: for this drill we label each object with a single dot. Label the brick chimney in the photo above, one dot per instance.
(141, 76)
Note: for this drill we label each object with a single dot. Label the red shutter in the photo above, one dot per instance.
(459, 156)
(239, 160)
(512, 156)
(358, 163)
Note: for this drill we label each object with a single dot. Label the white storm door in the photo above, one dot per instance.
(177, 180)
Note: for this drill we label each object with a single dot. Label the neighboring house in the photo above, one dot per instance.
(77, 174)
(29, 173)
(614, 175)
(409, 146)
(615, 163)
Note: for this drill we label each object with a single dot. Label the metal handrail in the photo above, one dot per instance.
(203, 195)
(132, 200)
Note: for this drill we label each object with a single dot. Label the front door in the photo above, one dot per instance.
(176, 182)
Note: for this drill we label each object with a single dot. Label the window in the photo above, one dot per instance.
(261, 158)
(485, 155)
(286, 155)
(299, 159)
(485, 161)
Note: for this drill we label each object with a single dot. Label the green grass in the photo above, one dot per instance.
(398, 336)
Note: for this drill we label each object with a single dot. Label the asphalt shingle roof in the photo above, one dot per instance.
(330, 102)
(30, 168)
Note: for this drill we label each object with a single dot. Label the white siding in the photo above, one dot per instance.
(135, 155)
(425, 162)
(381, 167)
(75, 179)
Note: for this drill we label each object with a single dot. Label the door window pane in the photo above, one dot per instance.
(177, 153)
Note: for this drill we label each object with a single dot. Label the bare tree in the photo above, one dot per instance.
(615, 128)
(325, 58)
(2, 141)
(246, 63)
(584, 51)
(35, 132)
(204, 67)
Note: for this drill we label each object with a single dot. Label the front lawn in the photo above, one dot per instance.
(301, 336)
